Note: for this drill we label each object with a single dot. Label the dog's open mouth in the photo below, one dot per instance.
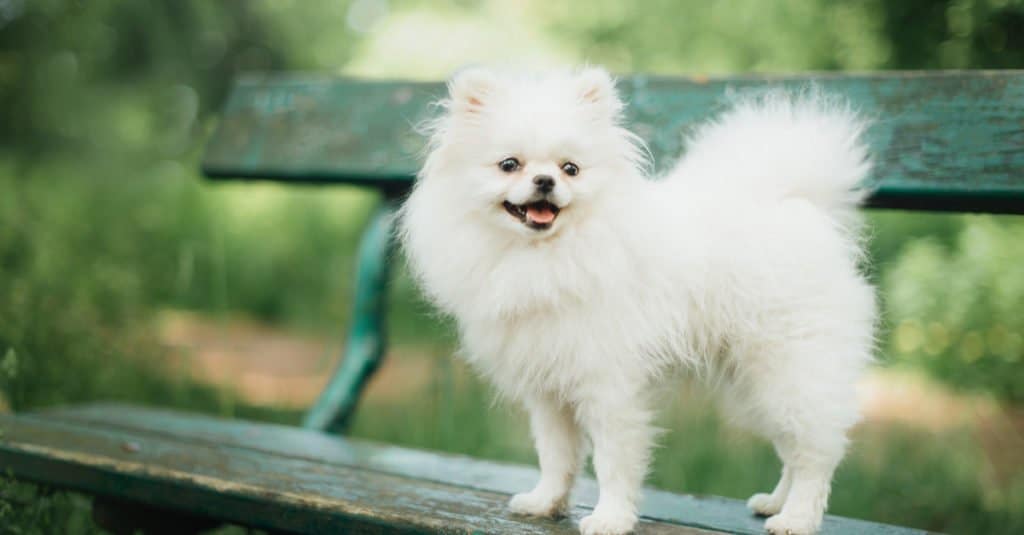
(537, 215)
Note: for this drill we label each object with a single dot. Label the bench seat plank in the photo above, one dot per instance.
(256, 489)
(303, 481)
(942, 140)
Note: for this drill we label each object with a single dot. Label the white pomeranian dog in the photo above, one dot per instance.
(577, 282)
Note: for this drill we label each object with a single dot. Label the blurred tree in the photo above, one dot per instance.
(955, 310)
(103, 106)
(668, 36)
(954, 34)
(122, 76)
(55, 91)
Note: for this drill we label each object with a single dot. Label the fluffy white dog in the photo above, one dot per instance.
(577, 282)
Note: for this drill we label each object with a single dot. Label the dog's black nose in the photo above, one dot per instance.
(544, 183)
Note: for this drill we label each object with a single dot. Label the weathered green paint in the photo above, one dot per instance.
(941, 140)
(366, 341)
(256, 487)
(458, 471)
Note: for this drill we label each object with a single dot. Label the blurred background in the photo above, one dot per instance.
(123, 275)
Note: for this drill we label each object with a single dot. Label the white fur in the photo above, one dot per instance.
(740, 265)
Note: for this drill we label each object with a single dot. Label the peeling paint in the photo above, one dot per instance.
(943, 140)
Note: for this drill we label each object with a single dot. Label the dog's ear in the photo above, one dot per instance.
(597, 88)
(470, 89)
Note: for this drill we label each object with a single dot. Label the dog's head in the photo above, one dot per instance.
(530, 154)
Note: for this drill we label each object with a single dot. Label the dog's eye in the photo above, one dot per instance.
(508, 165)
(570, 169)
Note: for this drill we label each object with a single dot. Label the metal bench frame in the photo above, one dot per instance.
(366, 342)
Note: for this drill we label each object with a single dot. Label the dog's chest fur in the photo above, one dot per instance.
(547, 320)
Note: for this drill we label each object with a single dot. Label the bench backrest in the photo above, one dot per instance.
(941, 140)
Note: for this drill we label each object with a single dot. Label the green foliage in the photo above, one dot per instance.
(120, 77)
(666, 36)
(956, 310)
(959, 34)
(78, 292)
(73, 299)
(34, 510)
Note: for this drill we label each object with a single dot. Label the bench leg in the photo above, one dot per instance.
(366, 342)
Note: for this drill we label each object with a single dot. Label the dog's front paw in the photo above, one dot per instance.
(608, 522)
(765, 504)
(792, 524)
(537, 503)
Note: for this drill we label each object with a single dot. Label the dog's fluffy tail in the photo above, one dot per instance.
(782, 145)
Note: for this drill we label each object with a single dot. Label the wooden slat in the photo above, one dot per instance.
(456, 471)
(257, 489)
(942, 140)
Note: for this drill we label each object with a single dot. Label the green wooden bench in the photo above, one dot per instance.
(942, 141)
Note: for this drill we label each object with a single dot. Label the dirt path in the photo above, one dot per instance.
(267, 366)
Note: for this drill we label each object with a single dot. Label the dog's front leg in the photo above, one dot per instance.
(559, 446)
(619, 426)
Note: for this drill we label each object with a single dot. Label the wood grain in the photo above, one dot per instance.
(320, 468)
(942, 140)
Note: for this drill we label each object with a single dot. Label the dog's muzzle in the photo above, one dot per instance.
(538, 215)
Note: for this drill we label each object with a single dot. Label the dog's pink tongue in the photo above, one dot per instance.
(542, 215)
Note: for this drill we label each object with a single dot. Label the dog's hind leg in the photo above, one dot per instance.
(811, 480)
(560, 453)
(770, 504)
(804, 404)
